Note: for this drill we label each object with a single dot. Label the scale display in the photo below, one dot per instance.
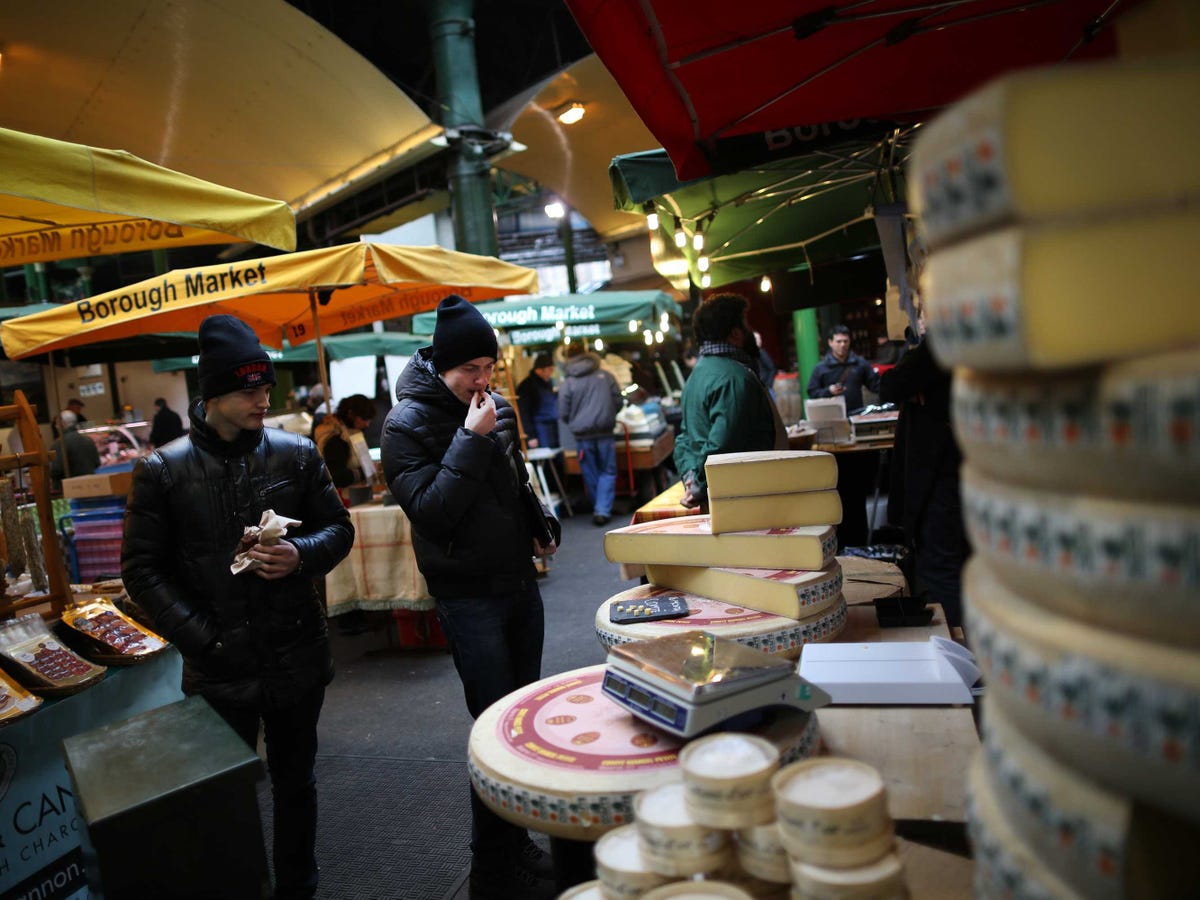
(690, 682)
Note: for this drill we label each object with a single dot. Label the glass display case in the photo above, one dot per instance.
(119, 442)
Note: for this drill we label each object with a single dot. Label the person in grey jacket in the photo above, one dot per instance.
(588, 402)
(254, 644)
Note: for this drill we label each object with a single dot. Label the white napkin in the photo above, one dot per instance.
(268, 531)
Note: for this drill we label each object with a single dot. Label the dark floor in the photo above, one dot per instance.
(391, 770)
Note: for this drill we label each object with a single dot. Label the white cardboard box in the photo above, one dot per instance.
(930, 672)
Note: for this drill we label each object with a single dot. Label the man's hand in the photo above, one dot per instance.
(689, 500)
(481, 414)
(836, 389)
(277, 561)
(540, 549)
(532, 443)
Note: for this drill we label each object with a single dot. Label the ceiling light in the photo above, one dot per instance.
(571, 113)
(702, 264)
(652, 221)
(633, 326)
(599, 345)
(698, 240)
(648, 338)
(658, 337)
(555, 210)
(705, 280)
(765, 284)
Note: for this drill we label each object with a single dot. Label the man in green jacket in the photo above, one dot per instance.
(726, 408)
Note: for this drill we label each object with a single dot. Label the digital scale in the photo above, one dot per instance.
(691, 682)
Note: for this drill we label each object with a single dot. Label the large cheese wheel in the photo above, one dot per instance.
(560, 757)
(776, 635)
(1134, 567)
(1123, 710)
(1077, 828)
(1130, 430)
(1058, 143)
(1005, 867)
(1059, 296)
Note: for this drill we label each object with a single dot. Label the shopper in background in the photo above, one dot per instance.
(255, 644)
(725, 406)
(166, 425)
(334, 434)
(842, 372)
(452, 459)
(588, 403)
(537, 403)
(316, 405)
(74, 453)
(766, 366)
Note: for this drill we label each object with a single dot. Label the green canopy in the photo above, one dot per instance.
(789, 214)
(337, 346)
(602, 314)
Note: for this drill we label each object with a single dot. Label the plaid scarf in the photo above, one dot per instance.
(720, 348)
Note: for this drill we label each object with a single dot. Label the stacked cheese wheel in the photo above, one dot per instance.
(739, 825)
(759, 570)
(1060, 288)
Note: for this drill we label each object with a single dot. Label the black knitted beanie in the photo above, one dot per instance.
(461, 334)
(231, 358)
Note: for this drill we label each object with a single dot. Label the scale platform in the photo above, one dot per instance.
(691, 682)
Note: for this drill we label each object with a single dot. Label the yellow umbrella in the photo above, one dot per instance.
(60, 200)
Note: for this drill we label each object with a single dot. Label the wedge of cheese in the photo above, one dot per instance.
(689, 541)
(775, 511)
(1059, 143)
(793, 593)
(769, 472)
(1129, 430)
(1053, 297)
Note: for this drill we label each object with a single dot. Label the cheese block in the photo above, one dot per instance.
(1122, 710)
(1068, 142)
(775, 511)
(769, 472)
(1057, 296)
(670, 839)
(1129, 430)
(795, 593)
(833, 812)
(880, 880)
(727, 779)
(689, 541)
(1134, 567)
(1077, 828)
(1005, 867)
(560, 757)
(762, 631)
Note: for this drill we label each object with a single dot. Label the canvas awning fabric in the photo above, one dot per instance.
(726, 85)
(337, 346)
(60, 200)
(527, 321)
(789, 214)
(281, 297)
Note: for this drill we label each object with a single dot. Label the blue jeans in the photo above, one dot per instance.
(598, 465)
(496, 642)
(291, 738)
(547, 433)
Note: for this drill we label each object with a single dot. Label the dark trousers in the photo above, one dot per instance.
(290, 736)
(856, 479)
(941, 546)
(496, 642)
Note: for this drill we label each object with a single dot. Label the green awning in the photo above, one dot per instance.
(337, 346)
(791, 214)
(612, 310)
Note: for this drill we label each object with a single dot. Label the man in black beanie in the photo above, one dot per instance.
(453, 462)
(538, 403)
(254, 644)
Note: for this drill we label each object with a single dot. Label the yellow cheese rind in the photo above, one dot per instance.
(769, 472)
(1133, 567)
(775, 511)
(689, 541)
(795, 594)
(1129, 430)
(1053, 297)
(1058, 143)
(1004, 866)
(1121, 710)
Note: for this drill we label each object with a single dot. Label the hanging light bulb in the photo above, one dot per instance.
(560, 325)
(765, 284)
(658, 337)
(599, 345)
(566, 339)
(680, 237)
(698, 240)
(702, 264)
(705, 280)
(652, 220)
(664, 320)
(555, 210)
(632, 326)
(648, 337)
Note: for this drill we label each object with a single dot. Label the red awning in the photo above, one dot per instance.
(725, 85)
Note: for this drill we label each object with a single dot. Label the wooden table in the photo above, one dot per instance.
(633, 458)
(853, 470)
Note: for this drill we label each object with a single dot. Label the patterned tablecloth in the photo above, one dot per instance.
(381, 571)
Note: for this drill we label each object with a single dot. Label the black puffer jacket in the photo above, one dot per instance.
(245, 640)
(459, 489)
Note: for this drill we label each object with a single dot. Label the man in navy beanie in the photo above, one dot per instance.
(254, 644)
(453, 462)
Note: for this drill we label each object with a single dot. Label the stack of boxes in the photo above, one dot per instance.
(1059, 209)
(97, 512)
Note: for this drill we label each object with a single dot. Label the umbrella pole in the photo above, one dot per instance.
(54, 413)
(312, 305)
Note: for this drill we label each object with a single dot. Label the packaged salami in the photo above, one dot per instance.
(40, 661)
(15, 701)
(105, 634)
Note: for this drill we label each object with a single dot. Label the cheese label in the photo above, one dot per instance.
(968, 185)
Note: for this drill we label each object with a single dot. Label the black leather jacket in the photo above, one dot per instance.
(245, 640)
(459, 489)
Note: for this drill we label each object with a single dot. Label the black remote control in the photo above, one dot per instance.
(668, 606)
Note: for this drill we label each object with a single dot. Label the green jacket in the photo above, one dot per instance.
(725, 410)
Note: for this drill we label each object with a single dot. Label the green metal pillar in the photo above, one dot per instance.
(808, 345)
(37, 289)
(452, 30)
(567, 237)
